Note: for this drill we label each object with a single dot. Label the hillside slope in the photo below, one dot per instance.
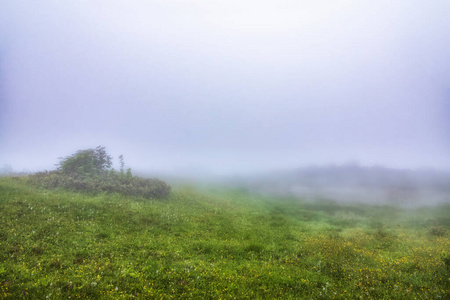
(216, 244)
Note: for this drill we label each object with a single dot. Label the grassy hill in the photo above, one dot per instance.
(216, 244)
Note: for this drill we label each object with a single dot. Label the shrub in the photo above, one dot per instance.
(446, 259)
(437, 231)
(90, 171)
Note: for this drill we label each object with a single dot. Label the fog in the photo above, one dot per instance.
(352, 183)
(226, 87)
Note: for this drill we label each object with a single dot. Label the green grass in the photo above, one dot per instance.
(216, 244)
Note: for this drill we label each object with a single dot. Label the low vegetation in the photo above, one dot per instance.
(215, 244)
(90, 171)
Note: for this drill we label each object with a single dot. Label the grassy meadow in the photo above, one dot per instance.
(216, 243)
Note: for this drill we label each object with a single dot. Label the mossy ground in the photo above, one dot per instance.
(216, 244)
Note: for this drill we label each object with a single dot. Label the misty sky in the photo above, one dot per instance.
(226, 85)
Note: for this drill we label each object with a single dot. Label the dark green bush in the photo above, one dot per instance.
(446, 259)
(437, 231)
(111, 183)
(89, 171)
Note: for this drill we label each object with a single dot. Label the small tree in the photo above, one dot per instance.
(86, 163)
(122, 164)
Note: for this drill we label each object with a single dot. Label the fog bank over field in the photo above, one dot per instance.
(355, 184)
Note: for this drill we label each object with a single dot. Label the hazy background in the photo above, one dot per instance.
(226, 86)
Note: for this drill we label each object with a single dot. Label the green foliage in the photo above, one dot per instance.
(90, 171)
(86, 163)
(121, 162)
(446, 259)
(113, 182)
(437, 231)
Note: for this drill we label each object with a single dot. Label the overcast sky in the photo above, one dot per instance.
(226, 85)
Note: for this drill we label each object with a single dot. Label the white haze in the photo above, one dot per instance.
(226, 87)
